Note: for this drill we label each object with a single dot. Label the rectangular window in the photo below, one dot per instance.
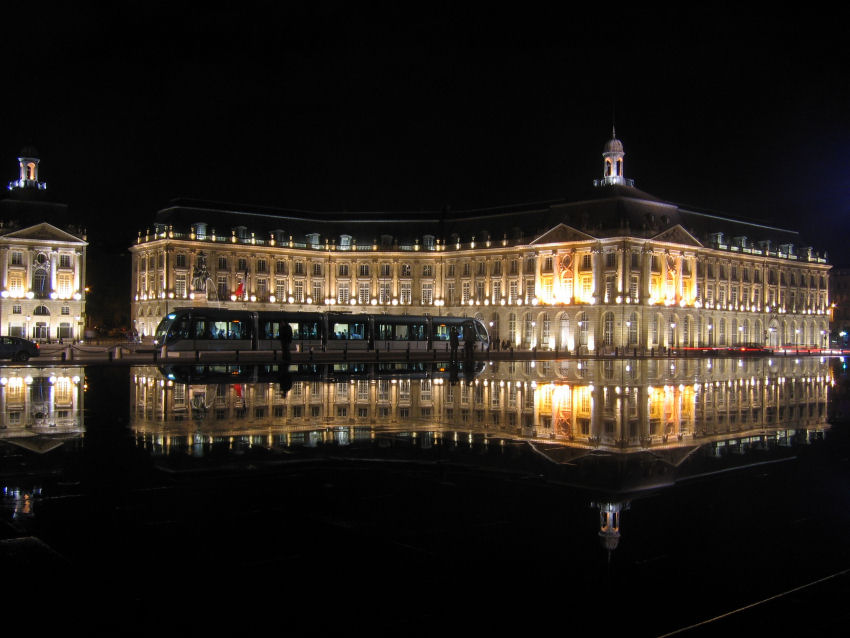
(464, 298)
(262, 289)
(65, 284)
(280, 289)
(427, 293)
(317, 270)
(406, 293)
(451, 272)
(242, 264)
(656, 263)
(384, 292)
(16, 310)
(280, 267)
(221, 285)
(299, 292)
(363, 270)
(17, 258)
(299, 268)
(262, 265)
(405, 270)
(343, 293)
(497, 291)
(65, 260)
(450, 293)
(16, 284)
(222, 263)
(586, 262)
(386, 270)
(318, 292)
(497, 268)
(363, 292)
(180, 286)
(342, 270)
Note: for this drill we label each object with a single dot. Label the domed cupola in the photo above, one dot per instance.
(612, 163)
(28, 166)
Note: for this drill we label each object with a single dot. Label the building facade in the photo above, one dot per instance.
(616, 269)
(42, 266)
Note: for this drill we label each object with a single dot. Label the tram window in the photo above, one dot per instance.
(180, 329)
(441, 332)
(305, 330)
(384, 331)
(203, 328)
(416, 332)
(271, 330)
(348, 331)
(401, 333)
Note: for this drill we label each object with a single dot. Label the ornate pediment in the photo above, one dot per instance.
(562, 234)
(677, 235)
(43, 232)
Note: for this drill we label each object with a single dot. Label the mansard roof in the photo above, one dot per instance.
(607, 211)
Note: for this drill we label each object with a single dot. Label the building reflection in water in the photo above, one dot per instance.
(40, 409)
(616, 427)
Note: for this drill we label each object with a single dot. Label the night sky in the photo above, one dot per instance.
(337, 109)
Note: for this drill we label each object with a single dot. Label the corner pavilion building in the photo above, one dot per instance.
(617, 269)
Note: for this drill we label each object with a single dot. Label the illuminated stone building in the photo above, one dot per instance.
(42, 266)
(616, 269)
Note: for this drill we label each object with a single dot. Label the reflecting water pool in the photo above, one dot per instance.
(689, 486)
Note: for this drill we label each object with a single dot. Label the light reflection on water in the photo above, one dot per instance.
(615, 428)
(619, 471)
(621, 406)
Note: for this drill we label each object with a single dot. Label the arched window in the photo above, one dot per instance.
(608, 329)
(41, 310)
(546, 332)
(581, 322)
(39, 283)
(633, 329)
(565, 331)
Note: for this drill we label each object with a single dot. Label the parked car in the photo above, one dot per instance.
(17, 349)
